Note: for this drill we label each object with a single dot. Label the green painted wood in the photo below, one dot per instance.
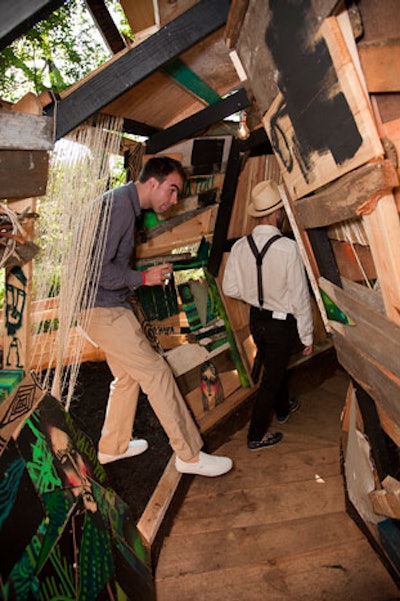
(192, 82)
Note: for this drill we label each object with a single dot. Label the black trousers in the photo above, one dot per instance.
(275, 340)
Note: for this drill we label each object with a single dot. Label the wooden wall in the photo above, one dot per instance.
(329, 104)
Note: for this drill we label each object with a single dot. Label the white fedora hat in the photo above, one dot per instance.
(265, 199)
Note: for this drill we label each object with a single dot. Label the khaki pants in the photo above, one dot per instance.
(134, 364)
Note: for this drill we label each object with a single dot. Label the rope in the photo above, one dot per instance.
(72, 216)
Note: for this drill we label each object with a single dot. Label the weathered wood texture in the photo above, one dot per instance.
(380, 62)
(354, 261)
(353, 194)
(23, 173)
(275, 527)
(257, 57)
(22, 131)
(315, 139)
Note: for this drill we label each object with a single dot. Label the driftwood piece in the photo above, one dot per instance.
(351, 195)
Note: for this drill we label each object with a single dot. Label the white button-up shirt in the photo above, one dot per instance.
(285, 287)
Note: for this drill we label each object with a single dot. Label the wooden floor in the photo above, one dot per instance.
(275, 528)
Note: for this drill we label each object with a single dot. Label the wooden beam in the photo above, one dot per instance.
(130, 126)
(228, 192)
(189, 127)
(139, 62)
(106, 25)
(22, 131)
(349, 196)
(19, 16)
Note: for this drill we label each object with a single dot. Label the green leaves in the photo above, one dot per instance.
(55, 54)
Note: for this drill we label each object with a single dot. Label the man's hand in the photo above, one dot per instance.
(158, 275)
(307, 350)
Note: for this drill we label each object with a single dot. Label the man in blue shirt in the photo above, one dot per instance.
(115, 329)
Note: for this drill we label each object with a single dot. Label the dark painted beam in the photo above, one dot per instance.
(19, 16)
(189, 127)
(138, 63)
(130, 126)
(228, 194)
(106, 26)
(324, 254)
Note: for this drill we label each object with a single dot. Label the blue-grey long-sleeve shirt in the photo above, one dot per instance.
(117, 279)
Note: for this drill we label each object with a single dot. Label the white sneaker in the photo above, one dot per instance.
(135, 447)
(207, 465)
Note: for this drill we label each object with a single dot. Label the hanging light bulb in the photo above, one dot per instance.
(243, 129)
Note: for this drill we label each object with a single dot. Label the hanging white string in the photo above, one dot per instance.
(72, 216)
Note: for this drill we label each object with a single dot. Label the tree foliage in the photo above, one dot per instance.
(55, 54)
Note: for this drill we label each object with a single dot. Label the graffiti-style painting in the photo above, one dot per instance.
(69, 536)
(14, 313)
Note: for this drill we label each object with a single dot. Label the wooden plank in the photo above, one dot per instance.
(134, 65)
(375, 380)
(373, 333)
(140, 15)
(383, 231)
(278, 497)
(306, 252)
(23, 173)
(354, 261)
(22, 131)
(234, 23)
(192, 553)
(348, 570)
(380, 61)
(289, 468)
(106, 25)
(152, 517)
(319, 135)
(370, 296)
(185, 234)
(349, 196)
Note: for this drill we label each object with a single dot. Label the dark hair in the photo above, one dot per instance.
(160, 167)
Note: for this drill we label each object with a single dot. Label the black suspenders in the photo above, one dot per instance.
(259, 259)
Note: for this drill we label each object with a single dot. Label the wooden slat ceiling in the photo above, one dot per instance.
(160, 101)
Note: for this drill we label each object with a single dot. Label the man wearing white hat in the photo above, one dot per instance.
(266, 271)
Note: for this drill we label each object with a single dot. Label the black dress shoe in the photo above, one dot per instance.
(294, 405)
(268, 440)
